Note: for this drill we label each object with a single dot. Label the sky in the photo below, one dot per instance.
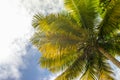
(18, 58)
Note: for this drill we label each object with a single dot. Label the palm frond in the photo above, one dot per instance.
(89, 75)
(72, 8)
(36, 20)
(84, 11)
(57, 31)
(90, 71)
(111, 45)
(97, 68)
(44, 42)
(58, 50)
(104, 71)
(74, 70)
(111, 19)
(59, 62)
(104, 4)
(57, 23)
(88, 12)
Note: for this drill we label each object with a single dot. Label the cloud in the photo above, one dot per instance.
(10, 65)
(42, 6)
(15, 31)
(14, 25)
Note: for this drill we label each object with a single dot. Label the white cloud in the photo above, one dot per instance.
(14, 24)
(8, 71)
(43, 6)
(15, 29)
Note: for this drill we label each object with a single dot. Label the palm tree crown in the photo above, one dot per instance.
(80, 40)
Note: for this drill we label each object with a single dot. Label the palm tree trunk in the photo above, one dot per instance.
(110, 57)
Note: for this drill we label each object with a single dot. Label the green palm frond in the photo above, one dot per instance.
(55, 41)
(74, 70)
(59, 46)
(97, 68)
(89, 75)
(84, 11)
(59, 62)
(36, 20)
(88, 12)
(111, 45)
(105, 72)
(90, 70)
(72, 8)
(57, 23)
(104, 4)
(65, 33)
(111, 19)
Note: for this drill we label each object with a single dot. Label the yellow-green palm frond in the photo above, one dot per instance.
(87, 67)
(91, 67)
(72, 7)
(84, 11)
(105, 72)
(57, 23)
(88, 12)
(53, 40)
(57, 31)
(58, 50)
(111, 19)
(97, 68)
(58, 62)
(104, 4)
(111, 45)
(74, 70)
(89, 75)
(58, 38)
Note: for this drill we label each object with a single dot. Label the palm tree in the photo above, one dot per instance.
(80, 40)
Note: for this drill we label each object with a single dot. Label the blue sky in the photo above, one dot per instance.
(19, 59)
(33, 70)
